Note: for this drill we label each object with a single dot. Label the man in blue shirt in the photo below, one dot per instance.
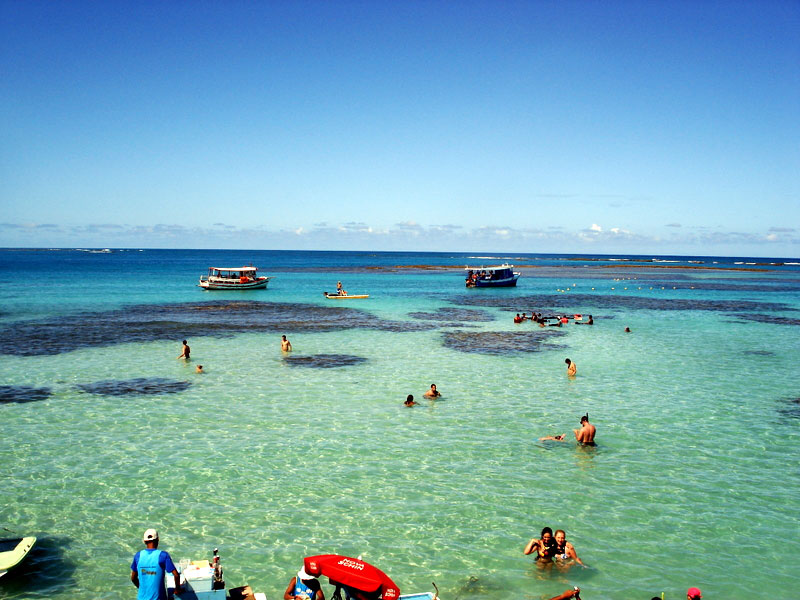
(148, 569)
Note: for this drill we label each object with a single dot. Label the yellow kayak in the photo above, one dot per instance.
(344, 296)
(13, 551)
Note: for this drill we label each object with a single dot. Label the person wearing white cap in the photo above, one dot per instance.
(148, 569)
(303, 587)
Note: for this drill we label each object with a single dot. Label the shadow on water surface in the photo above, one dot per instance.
(22, 393)
(791, 408)
(324, 361)
(140, 386)
(44, 571)
(147, 323)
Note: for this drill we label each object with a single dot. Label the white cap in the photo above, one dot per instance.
(303, 576)
(150, 535)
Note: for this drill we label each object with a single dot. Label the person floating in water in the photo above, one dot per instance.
(199, 369)
(185, 351)
(585, 435)
(410, 401)
(572, 368)
(433, 392)
(286, 345)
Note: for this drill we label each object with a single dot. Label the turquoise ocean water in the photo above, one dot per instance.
(695, 481)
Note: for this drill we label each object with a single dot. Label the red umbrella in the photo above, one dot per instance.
(353, 573)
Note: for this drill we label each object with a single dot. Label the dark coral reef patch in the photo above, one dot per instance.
(140, 386)
(560, 303)
(22, 393)
(502, 342)
(450, 315)
(146, 323)
(324, 361)
(772, 319)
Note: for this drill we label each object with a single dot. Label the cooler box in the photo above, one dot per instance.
(198, 579)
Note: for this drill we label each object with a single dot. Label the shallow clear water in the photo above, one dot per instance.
(695, 475)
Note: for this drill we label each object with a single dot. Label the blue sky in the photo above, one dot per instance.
(606, 127)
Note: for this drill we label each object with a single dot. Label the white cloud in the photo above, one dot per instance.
(596, 227)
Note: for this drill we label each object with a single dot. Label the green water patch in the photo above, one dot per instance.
(324, 361)
(454, 314)
(139, 386)
(19, 394)
(147, 323)
(502, 342)
(558, 303)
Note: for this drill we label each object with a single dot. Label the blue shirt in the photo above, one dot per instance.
(150, 565)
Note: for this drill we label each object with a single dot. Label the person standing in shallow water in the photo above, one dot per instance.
(585, 435)
(564, 549)
(286, 345)
(185, 351)
(545, 546)
(572, 368)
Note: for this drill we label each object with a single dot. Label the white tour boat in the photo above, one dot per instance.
(234, 278)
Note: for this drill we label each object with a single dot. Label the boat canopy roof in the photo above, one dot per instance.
(353, 573)
(495, 268)
(245, 269)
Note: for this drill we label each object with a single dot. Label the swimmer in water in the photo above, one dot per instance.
(410, 401)
(585, 435)
(433, 392)
(286, 345)
(545, 546)
(199, 369)
(185, 350)
(564, 549)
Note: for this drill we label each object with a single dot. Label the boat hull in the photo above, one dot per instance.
(13, 551)
(258, 284)
(485, 283)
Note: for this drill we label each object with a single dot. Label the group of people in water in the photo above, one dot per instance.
(558, 320)
(550, 547)
(584, 436)
(431, 394)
